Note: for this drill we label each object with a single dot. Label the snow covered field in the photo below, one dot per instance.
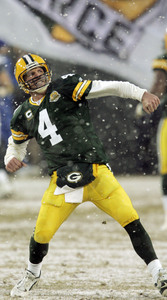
(91, 256)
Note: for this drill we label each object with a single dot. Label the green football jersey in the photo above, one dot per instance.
(61, 124)
(160, 63)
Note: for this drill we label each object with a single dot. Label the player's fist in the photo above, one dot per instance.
(150, 102)
(14, 164)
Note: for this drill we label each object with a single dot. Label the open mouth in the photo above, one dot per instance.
(37, 82)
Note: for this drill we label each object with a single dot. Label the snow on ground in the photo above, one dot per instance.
(91, 256)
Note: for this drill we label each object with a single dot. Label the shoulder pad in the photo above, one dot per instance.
(72, 75)
(67, 75)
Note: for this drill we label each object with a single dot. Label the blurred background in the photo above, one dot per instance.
(98, 39)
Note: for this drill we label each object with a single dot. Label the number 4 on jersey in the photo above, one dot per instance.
(46, 128)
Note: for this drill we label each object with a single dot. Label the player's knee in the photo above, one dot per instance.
(126, 215)
(43, 236)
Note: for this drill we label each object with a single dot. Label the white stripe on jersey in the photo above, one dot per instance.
(80, 89)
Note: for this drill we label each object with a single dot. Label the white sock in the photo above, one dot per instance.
(34, 268)
(154, 267)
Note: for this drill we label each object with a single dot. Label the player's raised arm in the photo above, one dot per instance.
(123, 89)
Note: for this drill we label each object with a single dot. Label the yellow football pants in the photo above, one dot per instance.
(105, 192)
(162, 146)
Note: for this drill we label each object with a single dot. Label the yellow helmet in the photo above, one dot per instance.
(26, 63)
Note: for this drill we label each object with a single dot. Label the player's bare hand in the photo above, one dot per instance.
(150, 102)
(14, 164)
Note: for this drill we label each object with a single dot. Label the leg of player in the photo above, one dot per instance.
(119, 206)
(164, 200)
(33, 272)
(162, 159)
(44, 231)
(143, 246)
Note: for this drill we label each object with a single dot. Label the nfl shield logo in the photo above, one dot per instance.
(54, 96)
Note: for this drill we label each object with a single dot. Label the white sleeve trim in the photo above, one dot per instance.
(15, 150)
(115, 88)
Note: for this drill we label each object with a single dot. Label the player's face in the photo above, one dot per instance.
(35, 78)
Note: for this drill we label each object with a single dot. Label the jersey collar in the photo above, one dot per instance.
(37, 103)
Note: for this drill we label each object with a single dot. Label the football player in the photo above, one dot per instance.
(6, 110)
(159, 88)
(57, 115)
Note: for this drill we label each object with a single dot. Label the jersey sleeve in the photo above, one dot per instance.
(76, 87)
(17, 129)
(160, 63)
(121, 89)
